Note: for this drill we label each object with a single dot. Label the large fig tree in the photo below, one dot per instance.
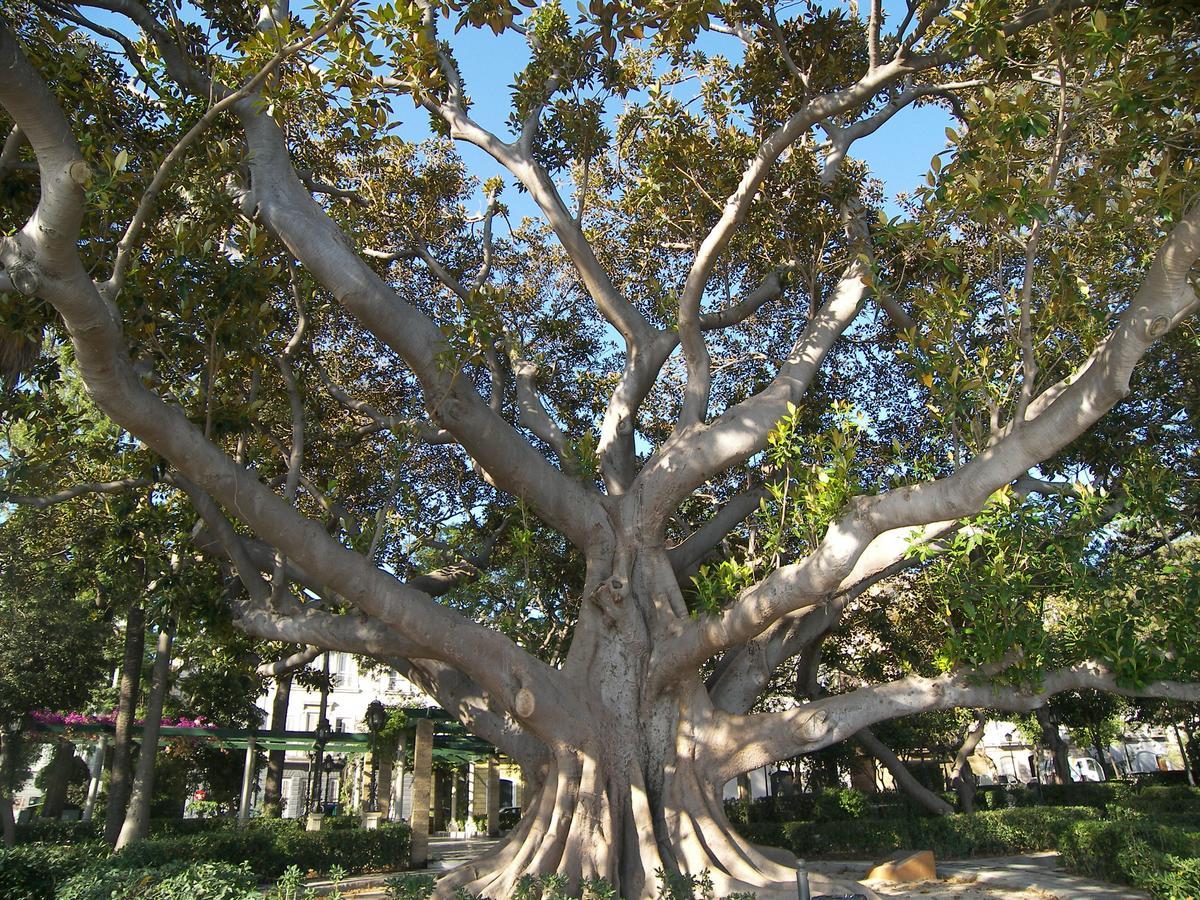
(593, 475)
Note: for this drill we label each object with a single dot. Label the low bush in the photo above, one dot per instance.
(24, 876)
(835, 804)
(271, 850)
(1155, 857)
(60, 861)
(1175, 799)
(1097, 794)
(49, 831)
(993, 833)
(264, 852)
(173, 881)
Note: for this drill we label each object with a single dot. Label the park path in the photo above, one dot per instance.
(1033, 877)
(1036, 876)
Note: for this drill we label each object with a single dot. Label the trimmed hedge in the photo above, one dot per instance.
(1161, 859)
(52, 832)
(993, 833)
(269, 851)
(264, 852)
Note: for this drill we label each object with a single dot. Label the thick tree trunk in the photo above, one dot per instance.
(120, 776)
(137, 818)
(58, 779)
(905, 779)
(641, 791)
(1058, 747)
(8, 762)
(273, 786)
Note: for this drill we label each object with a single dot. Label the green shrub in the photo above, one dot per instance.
(839, 803)
(1149, 855)
(410, 887)
(269, 851)
(59, 861)
(49, 831)
(1158, 800)
(996, 833)
(265, 852)
(1097, 794)
(173, 881)
(25, 876)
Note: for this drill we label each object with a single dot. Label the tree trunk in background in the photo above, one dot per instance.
(273, 787)
(58, 779)
(137, 818)
(1058, 747)
(8, 759)
(905, 779)
(131, 677)
(964, 777)
(1108, 770)
(1193, 757)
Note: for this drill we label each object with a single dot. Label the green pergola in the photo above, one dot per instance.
(452, 743)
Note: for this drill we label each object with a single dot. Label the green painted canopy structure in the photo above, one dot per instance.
(452, 744)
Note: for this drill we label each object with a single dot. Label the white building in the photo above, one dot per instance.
(353, 690)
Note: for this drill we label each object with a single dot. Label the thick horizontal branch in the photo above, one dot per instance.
(290, 663)
(77, 490)
(769, 737)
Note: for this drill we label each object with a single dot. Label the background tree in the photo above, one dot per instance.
(51, 638)
(354, 372)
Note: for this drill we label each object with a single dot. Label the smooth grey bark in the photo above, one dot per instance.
(905, 779)
(137, 817)
(120, 774)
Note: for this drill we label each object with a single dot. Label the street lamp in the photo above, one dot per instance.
(332, 764)
(376, 718)
(1012, 760)
(321, 738)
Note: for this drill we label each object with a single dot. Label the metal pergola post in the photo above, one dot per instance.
(247, 782)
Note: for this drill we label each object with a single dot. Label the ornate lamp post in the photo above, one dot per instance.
(332, 764)
(1012, 760)
(376, 719)
(316, 808)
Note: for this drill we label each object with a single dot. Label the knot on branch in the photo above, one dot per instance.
(20, 267)
(815, 725)
(1158, 327)
(80, 173)
(524, 703)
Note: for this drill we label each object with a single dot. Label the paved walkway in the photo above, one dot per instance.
(444, 853)
(1033, 877)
